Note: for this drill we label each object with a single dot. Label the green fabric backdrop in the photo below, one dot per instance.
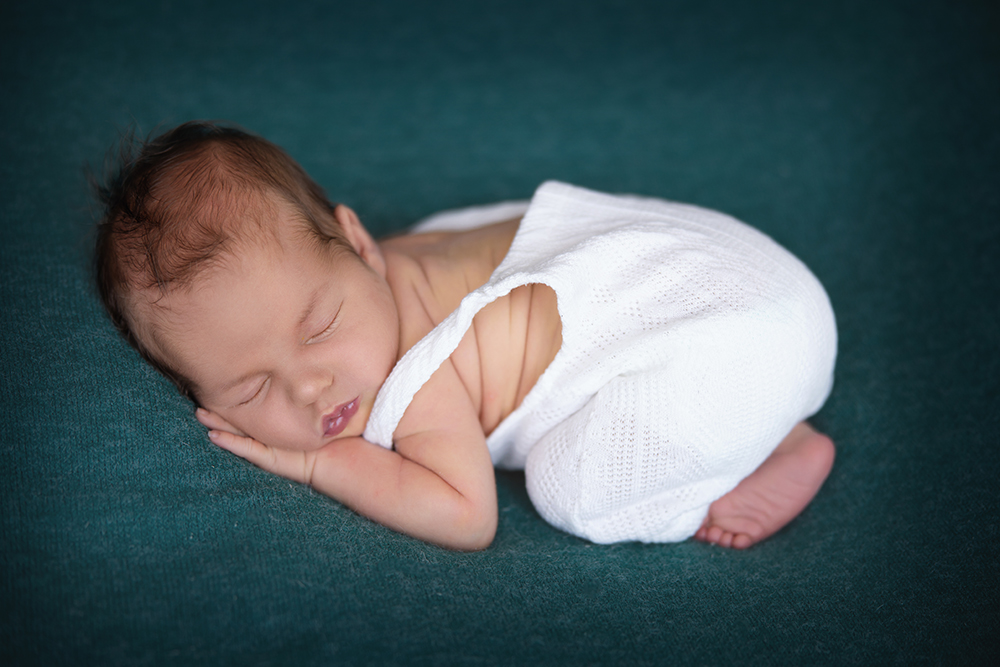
(861, 135)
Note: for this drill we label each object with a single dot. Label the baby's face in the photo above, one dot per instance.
(289, 344)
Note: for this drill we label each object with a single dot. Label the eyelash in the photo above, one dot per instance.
(257, 393)
(328, 329)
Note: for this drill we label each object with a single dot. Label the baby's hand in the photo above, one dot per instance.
(437, 483)
(296, 466)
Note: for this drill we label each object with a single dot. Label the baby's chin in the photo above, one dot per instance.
(351, 431)
(302, 444)
(356, 424)
(317, 443)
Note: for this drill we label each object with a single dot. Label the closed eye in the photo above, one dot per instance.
(258, 393)
(328, 329)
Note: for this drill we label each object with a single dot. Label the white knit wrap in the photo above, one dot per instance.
(692, 344)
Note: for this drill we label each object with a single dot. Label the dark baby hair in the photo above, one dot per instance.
(174, 203)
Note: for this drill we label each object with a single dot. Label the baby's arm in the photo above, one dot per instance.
(437, 485)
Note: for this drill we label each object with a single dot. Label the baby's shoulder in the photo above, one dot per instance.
(432, 273)
(429, 275)
(476, 251)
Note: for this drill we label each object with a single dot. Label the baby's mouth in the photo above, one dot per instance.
(336, 421)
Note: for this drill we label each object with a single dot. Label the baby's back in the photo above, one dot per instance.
(512, 340)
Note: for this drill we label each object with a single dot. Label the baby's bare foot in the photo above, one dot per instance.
(773, 494)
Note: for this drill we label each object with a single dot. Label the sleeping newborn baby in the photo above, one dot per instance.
(648, 364)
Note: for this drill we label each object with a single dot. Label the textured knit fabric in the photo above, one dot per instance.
(692, 344)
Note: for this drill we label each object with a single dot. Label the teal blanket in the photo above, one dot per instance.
(863, 136)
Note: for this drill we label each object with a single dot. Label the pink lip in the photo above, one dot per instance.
(336, 421)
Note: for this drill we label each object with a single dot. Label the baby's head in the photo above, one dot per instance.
(197, 201)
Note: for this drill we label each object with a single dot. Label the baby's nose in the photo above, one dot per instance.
(309, 387)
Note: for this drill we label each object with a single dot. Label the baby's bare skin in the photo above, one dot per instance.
(511, 341)
(758, 507)
(774, 494)
(288, 344)
(437, 482)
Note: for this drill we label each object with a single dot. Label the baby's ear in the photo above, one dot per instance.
(359, 238)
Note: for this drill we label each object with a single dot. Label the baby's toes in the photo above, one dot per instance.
(724, 538)
(715, 535)
(742, 541)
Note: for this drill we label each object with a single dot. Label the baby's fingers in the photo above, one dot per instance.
(255, 452)
(213, 421)
(292, 465)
